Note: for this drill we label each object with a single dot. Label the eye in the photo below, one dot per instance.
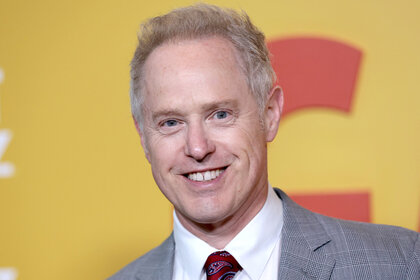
(221, 115)
(170, 123)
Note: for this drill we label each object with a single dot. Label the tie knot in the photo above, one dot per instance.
(221, 266)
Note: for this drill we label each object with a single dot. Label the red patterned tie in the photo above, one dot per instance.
(221, 266)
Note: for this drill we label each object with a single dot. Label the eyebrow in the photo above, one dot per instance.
(230, 103)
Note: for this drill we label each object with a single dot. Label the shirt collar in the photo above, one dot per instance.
(251, 247)
(191, 250)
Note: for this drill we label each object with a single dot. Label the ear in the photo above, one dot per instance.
(273, 111)
(142, 140)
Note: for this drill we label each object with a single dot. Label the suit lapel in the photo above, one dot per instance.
(302, 242)
(160, 265)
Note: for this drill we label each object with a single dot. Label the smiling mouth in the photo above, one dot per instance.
(206, 175)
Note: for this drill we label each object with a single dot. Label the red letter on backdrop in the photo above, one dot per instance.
(315, 72)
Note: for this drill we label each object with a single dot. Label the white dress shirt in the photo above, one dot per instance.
(256, 247)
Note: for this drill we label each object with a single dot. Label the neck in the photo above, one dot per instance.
(219, 234)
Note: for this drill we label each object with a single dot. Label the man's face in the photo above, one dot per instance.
(202, 132)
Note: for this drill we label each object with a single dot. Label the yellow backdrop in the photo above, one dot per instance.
(77, 200)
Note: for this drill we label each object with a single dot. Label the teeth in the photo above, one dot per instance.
(205, 176)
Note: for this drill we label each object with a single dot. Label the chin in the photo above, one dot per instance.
(205, 216)
(211, 217)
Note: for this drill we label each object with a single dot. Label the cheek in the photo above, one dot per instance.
(247, 150)
(162, 145)
(251, 139)
(164, 153)
(254, 153)
(161, 159)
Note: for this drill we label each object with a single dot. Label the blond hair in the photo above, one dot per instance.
(198, 21)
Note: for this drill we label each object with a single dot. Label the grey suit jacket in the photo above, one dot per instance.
(315, 247)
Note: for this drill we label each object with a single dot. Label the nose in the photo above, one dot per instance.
(198, 144)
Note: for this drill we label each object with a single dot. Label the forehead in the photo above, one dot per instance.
(199, 69)
(188, 52)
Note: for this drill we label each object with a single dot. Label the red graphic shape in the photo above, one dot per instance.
(348, 206)
(315, 72)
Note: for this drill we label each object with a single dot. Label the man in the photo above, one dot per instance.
(205, 107)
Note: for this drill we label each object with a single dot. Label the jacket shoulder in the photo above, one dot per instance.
(157, 261)
(358, 250)
(367, 232)
(381, 249)
(347, 235)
